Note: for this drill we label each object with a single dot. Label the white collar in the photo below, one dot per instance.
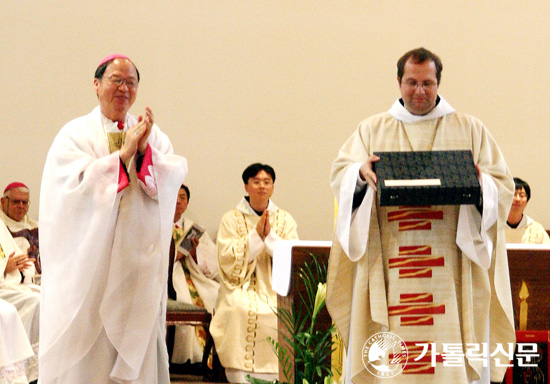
(11, 222)
(110, 125)
(244, 207)
(524, 222)
(179, 222)
(401, 113)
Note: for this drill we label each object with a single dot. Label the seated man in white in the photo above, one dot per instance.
(14, 267)
(521, 228)
(194, 278)
(15, 349)
(245, 311)
(14, 213)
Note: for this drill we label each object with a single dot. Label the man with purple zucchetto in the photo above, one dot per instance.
(107, 202)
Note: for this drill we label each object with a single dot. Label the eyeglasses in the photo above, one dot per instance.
(520, 195)
(426, 85)
(265, 182)
(17, 202)
(118, 81)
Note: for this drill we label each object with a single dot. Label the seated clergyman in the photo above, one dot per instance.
(244, 316)
(521, 228)
(194, 279)
(14, 213)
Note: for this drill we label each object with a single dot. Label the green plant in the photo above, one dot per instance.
(310, 347)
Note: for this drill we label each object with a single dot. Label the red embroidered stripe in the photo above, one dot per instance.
(409, 214)
(427, 358)
(415, 225)
(416, 309)
(415, 351)
(416, 298)
(417, 262)
(415, 250)
(413, 369)
(415, 273)
(416, 320)
(413, 345)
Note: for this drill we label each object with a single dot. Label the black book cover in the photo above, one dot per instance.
(427, 178)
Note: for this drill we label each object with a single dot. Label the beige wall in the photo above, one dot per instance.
(285, 82)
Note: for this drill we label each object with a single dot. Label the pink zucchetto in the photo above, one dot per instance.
(15, 184)
(112, 57)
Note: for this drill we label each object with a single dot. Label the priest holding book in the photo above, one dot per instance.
(432, 275)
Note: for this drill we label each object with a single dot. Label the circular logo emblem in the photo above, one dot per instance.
(385, 354)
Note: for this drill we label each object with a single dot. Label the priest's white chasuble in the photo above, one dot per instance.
(435, 276)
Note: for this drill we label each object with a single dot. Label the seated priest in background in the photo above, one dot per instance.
(245, 311)
(14, 265)
(15, 349)
(15, 206)
(194, 279)
(521, 228)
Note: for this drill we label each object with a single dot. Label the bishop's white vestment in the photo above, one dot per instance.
(15, 348)
(24, 297)
(104, 244)
(25, 234)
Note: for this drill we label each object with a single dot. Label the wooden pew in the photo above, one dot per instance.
(530, 265)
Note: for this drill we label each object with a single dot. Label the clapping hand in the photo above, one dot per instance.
(136, 137)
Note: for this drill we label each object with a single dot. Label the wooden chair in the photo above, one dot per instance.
(178, 313)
